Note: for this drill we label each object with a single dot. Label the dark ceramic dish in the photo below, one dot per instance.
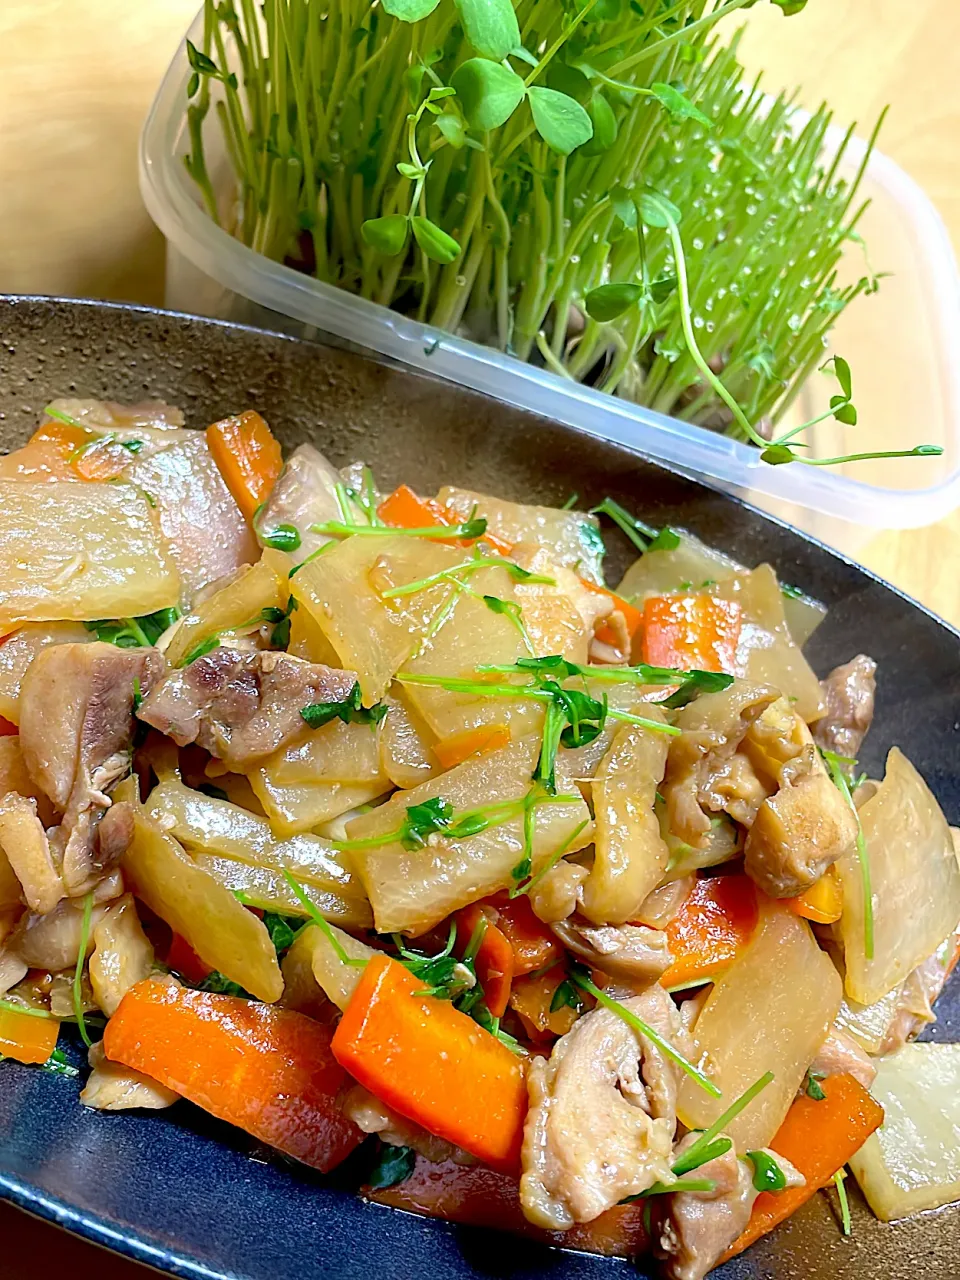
(181, 1191)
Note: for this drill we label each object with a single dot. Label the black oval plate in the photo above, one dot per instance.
(181, 1191)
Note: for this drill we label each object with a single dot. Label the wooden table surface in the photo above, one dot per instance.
(77, 76)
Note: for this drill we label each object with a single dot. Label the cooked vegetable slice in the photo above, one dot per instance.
(818, 1138)
(433, 1064)
(204, 913)
(767, 653)
(534, 943)
(26, 1038)
(328, 959)
(572, 537)
(915, 880)
(211, 827)
(493, 957)
(912, 1162)
(691, 633)
(411, 890)
(294, 808)
(405, 753)
(267, 1070)
(72, 551)
(630, 856)
(459, 746)
(822, 902)
(712, 928)
(237, 606)
(249, 458)
(770, 1011)
(689, 566)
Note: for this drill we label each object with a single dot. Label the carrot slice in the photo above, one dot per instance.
(433, 1064)
(455, 748)
(631, 614)
(494, 958)
(534, 943)
(711, 928)
(182, 959)
(822, 902)
(404, 509)
(264, 1069)
(249, 458)
(482, 1197)
(818, 1138)
(532, 999)
(691, 633)
(27, 1038)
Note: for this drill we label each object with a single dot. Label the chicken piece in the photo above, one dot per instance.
(25, 843)
(113, 1087)
(52, 941)
(693, 1229)
(602, 1115)
(734, 788)
(76, 733)
(12, 969)
(241, 706)
(713, 727)
(841, 1055)
(557, 893)
(370, 1115)
(629, 953)
(800, 831)
(122, 956)
(848, 692)
(914, 1009)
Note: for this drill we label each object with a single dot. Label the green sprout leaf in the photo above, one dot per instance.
(560, 121)
(778, 454)
(488, 92)
(656, 210)
(609, 301)
(394, 1165)
(604, 126)
(565, 995)
(350, 710)
(678, 104)
(767, 1174)
(451, 126)
(490, 26)
(387, 235)
(410, 10)
(285, 537)
(434, 242)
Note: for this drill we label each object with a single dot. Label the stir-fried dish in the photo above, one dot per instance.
(345, 814)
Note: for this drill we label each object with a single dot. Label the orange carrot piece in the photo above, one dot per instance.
(631, 614)
(182, 959)
(691, 633)
(455, 748)
(494, 958)
(822, 902)
(818, 1138)
(433, 1064)
(714, 924)
(534, 943)
(249, 458)
(27, 1038)
(46, 455)
(477, 1196)
(262, 1068)
(404, 509)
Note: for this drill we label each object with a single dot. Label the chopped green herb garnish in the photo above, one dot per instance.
(640, 534)
(767, 1174)
(792, 593)
(704, 1185)
(838, 1181)
(134, 633)
(78, 972)
(322, 924)
(477, 562)
(137, 695)
(566, 995)
(201, 650)
(285, 537)
(350, 710)
(58, 1065)
(468, 530)
(513, 613)
(218, 984)
(394, 1165)
(666, 540)
(811, 1085)
(580, 976)
(480, 1013)
(282, 930)
(17, 1006)
(423, 820)
(571, 502)
(551, 861)
(703, 1149)
(443, 975)
(835, 765)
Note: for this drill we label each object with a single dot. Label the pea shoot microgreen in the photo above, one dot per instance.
(282, 537)
(710, 1144)
(835, 766)
(394, 1164)
(839, 1179)
(78, 1009)
(320, 921)
(134, 633)
(811, 1086)
(566, 995)
(767, 1174)
(350, 710)
(643, 536)
(468, 531)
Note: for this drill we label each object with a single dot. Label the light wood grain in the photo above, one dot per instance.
(77, 76)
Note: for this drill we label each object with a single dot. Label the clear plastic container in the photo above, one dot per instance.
(902, 344)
